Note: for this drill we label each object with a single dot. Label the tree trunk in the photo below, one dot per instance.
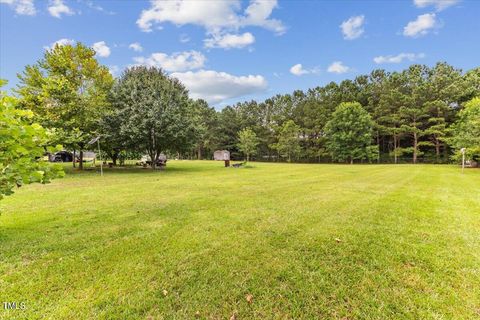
(153, 160)
(351, 160)
(114, 158)
(415, 146)
(378, 144)
(153, 150)
(437, 149)
(395, 146)
(74, 158)
(80, 164)
(199, 153)
(247, 157)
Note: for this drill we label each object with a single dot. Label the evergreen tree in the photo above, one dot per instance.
(413, 113)
(288, 144)
(205, 122)
(444, 88)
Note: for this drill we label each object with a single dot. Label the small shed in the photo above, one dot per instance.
(221, 155)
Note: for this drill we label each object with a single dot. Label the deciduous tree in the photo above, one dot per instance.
(67, 91)
(22, 145)
(156, 110)
(349, 133)
(466, 130)
(247, 142)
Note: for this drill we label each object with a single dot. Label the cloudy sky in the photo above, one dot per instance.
(229, 51)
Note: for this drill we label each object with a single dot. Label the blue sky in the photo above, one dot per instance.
(229, 51)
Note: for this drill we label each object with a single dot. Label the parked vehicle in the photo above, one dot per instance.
(61, 156)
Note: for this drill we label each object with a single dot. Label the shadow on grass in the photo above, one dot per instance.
(140, 170)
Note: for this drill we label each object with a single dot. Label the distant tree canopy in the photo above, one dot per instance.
(205, 120)
(67, 91)
(349, 133)
(412, 112)
(407, 116)
(22, 144)
(288, 144)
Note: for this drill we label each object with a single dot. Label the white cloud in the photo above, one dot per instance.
(178, 61)
(61, 42)
(210, 14)
(114, 70)
(298, 70)
(21, 7)
(353, 27)
(398, 58)
(438, 4)
(96, 7)
(421, 26)
(227, 41)
(215, 87)
(338, 67)
(214, 16)
(257, 14)
(184, 38)
(57, 8)
(101, 49)
(136, 47)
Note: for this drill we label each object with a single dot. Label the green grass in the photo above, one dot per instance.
(86, 247)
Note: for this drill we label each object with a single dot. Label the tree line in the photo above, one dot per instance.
(67, 98)
(411, 115)
(412, 112)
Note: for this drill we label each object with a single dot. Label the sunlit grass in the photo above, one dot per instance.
(307, 241)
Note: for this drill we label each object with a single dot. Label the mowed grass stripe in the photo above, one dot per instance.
(209, 235)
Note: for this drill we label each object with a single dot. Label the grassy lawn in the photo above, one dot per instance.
(307, 241)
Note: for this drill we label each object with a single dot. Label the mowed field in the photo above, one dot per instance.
(307, 241)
